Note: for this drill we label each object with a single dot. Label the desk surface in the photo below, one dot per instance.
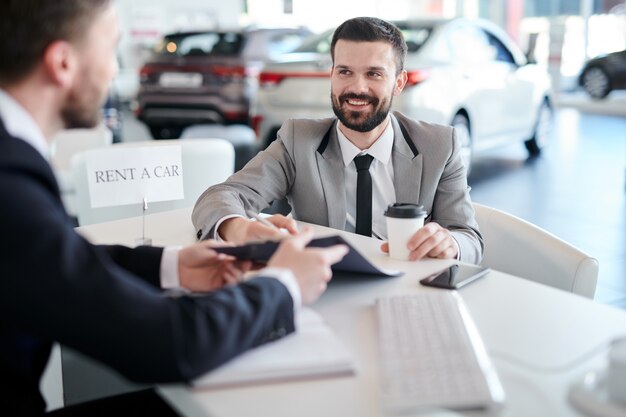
(529, 329)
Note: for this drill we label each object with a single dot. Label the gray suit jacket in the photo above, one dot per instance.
(305, 165)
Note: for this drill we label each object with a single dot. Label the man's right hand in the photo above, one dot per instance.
(310, 266)
(241, 230)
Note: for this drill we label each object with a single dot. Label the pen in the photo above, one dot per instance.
(262, 220)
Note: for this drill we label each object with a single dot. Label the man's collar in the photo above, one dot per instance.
(20, 124)
(380, 149)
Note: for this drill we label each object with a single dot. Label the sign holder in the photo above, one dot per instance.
(143, 240)
(124, 176)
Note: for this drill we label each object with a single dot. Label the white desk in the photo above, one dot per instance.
(517, 318)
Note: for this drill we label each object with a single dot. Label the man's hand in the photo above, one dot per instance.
(432, 241)
(200, 268)
(310, 266)
(240, 230)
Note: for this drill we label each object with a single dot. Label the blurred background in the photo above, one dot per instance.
(237, 69)
(566, 32)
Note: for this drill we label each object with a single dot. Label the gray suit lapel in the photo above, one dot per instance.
(407, 167)
(330, 165)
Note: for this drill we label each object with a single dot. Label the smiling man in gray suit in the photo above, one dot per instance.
(312, 161)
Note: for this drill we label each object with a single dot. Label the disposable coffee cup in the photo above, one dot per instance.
(403, 220)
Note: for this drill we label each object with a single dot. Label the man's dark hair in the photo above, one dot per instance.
(371, 29)
(27, 27)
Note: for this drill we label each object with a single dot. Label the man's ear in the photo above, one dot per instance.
(60, 63)
(401, 80)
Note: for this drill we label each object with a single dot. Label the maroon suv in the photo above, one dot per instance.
(208, 76)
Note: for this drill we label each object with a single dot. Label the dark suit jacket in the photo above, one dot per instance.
(104, 301)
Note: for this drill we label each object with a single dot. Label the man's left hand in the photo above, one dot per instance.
(433, 241)
(202, 269)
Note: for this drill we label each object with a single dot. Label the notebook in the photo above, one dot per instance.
(353, 262)
(313, 351)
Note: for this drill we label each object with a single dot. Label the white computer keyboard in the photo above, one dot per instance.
(432, 355)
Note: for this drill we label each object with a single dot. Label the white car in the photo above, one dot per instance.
(465, 73)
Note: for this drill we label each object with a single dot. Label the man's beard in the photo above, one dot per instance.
(83, 108)
(359, 120)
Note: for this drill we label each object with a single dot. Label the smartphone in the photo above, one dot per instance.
(455, 276)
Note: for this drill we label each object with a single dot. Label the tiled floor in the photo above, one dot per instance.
(576, 190)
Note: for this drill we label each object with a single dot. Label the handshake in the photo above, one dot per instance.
(201, 268)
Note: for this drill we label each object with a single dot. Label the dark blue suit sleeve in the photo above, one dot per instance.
(59, 287)
(143, 261)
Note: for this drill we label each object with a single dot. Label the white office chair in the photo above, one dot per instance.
(242, 137)
(64, 146)
(205, 162)
(517, 247)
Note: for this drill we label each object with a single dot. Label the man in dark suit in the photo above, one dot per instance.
(56, 60)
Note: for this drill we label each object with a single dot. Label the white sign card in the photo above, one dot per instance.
(128, 175)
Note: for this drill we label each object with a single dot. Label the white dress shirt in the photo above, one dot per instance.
(381, 170)
(20, 124)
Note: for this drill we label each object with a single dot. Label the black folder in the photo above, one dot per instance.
(353, 262)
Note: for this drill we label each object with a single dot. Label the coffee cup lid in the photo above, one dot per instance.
(405, 210)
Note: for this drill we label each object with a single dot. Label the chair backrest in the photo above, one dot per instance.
(242, 137)
(67, 143)
(205, 163)
(517, 247)
(235, 134)
(64, 146)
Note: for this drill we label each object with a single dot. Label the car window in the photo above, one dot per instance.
(318, 44)
(502, 52)
(470, 45)
(415, 38)
(284, 42)
(199, 44)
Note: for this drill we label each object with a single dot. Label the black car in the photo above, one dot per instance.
(603, 74)
(207, 76)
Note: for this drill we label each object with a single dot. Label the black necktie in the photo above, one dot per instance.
(363, 195)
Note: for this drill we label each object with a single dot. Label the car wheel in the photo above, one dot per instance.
(543, 129)
(165, 132)
(462, 126)
(596, 82)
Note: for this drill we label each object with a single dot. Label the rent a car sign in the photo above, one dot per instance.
(130, 175)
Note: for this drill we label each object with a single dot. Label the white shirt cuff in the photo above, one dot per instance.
(169, 267)
(458, 249)
(216, 235)
(285, 276)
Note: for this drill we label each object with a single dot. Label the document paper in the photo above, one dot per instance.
(312, 351)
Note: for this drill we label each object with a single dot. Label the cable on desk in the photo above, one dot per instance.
(553, 369)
